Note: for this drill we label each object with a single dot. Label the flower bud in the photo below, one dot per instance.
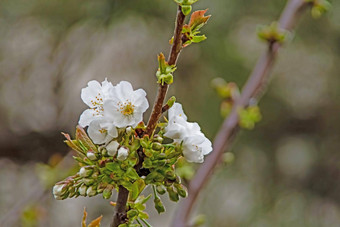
(112, 148)
(91, 191)
(91, 156)
(123, 153)
(128, 130)
(157, 146)
(59, 190)
(158, 138)
(87, 181)
(82, 190)
(85, 171)
(160, 189)
(170, 175)
(172, 194)
(107, 192)
(171, 101)
(181, 190)
(159, 205)
(186, 9)
(132, 213)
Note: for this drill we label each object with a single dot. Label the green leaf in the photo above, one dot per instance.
(198, 38)
(113, 166)
(131, 173)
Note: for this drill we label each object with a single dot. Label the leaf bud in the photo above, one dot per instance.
(186, 9)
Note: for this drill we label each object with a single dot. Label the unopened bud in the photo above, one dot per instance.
(91, 191)
(59, 190)
(91, 156)
(171, 101)
(112, 148)
(123, 153)
(128, 130)
(172, 194)
(159, 205)
(82, 190)
(160, 189)
(107, 192)
(158, 138)
(87, 181)
(181, 190)
(186, 9)
(132, 213)
(157, 146)
(85, 171)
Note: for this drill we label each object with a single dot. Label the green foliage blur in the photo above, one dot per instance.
(285, 172)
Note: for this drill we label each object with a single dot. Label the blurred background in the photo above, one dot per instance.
(286, 172)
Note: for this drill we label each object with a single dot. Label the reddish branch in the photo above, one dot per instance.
(254, 87)
(173, 56)
(119, 216)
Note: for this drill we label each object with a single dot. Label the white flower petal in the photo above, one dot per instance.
(177, 111)
(98, 134)
(89, 93)
(87, 116)
(123, 153)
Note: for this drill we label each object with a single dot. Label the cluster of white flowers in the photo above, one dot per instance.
(195, 144)
(111, 107)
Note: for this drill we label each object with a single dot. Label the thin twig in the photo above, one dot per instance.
(254, 88)
(119, 216)
(162, 89)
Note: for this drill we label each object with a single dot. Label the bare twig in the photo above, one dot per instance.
(119, 216)
(254, 88)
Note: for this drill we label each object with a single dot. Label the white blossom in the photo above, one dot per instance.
(102, 130)
(125, 106)
(195, 147)
(123, 153)
(94, 96)
(112, 148)
(91, 191)
(195, 144)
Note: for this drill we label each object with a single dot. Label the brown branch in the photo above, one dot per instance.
(119, 216)
(254, 88)
(173, 56)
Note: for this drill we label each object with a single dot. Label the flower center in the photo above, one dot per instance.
(102, 131)
(128, 109)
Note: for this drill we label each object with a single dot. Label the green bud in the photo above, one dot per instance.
(107, 192)
(91, 191)
(160, 189)
(170, 175)
(157, 146)
(88, 181)
(168, 78)
(103, 151)
(132, 213)
(172, 194)
(171, 101)
(159, 205)
(186, 9)
(181, 190)
(158, 138)
(148, 152)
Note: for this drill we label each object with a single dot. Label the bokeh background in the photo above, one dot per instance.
(286, 172)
